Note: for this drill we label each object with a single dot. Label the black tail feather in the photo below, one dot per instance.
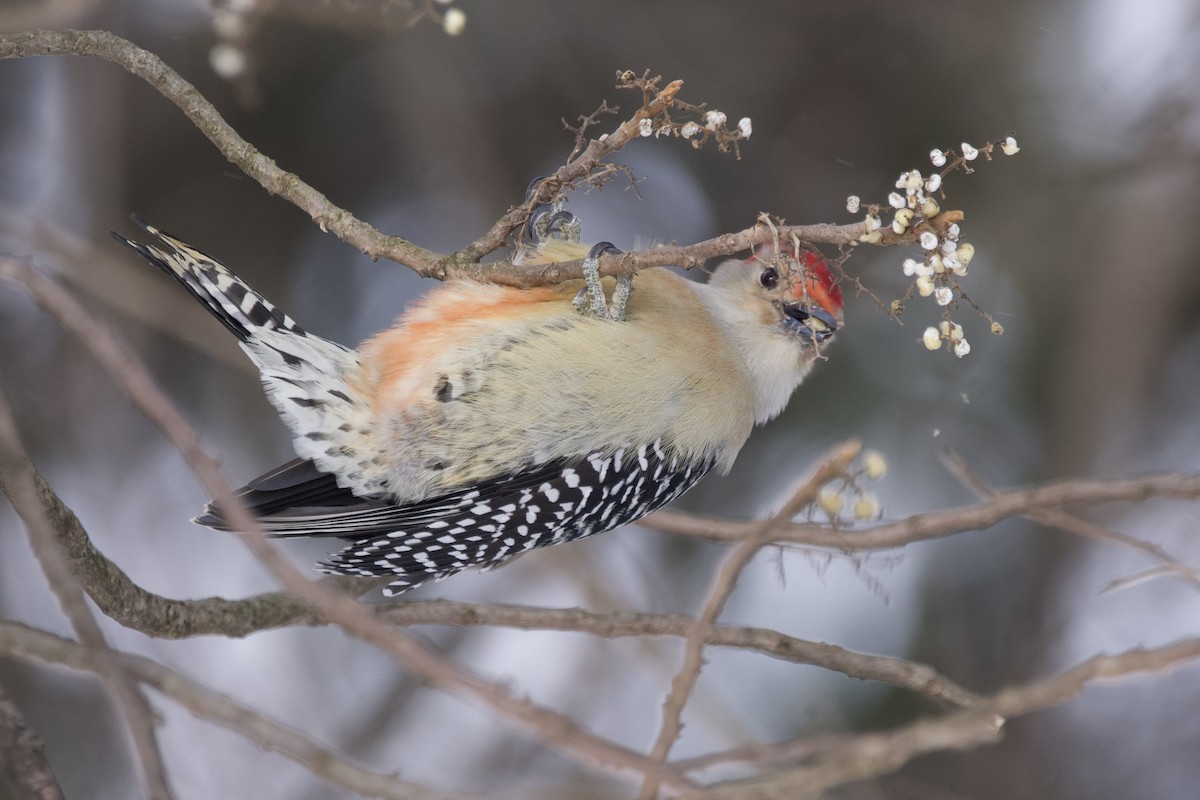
(234, 303)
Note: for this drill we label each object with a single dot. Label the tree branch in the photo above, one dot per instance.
(166, 618)
(872, 755)
(22, 753)
(834, 464)
(131, 704)
(940, 524)
(27, 642)
(1056, 518)
(204, 116)
(426, 263)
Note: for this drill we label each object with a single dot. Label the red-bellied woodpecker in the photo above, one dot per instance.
(491, 420)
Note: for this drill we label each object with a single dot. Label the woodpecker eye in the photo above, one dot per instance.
(768, 278)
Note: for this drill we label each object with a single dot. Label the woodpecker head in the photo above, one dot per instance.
(780, 309)
(802, 297)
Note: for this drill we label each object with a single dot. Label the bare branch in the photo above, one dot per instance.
(166, 618)
(130, 702)
(834, 464)
(940, 524)
(427, 263)
(575, 170)
(918, 678)
(154, 615)
(204, 116)
(1054, 518)
(871, 755)
(21, 640)
(22, 753)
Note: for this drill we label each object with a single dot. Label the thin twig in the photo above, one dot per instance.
(22, 754)
(204, 116)
(21, 640)
(957, 466)
(834, 464)
(165, 618)
(940, 524)
(871, 755)
(154, 615)
(132, 705)
(767, 755)
(918, 678)
(426, 263)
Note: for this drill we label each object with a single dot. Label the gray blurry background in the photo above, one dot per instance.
(1087, 253)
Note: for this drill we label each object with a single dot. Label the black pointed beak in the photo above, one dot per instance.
(815, 324)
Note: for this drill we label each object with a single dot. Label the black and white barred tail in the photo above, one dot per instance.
(231, 300)
(305, 377)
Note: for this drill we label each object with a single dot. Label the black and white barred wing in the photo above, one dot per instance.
(487, 525)
(477, 527)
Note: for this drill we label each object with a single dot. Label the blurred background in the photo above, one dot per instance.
(1086, 253)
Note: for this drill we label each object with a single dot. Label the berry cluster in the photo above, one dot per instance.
(864, 505)
(917, 212)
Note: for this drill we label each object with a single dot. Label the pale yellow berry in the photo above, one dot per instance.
(902, 219)
(874, 464)
(865, 507)
(930, 208)
(1009, 146)
(925, 286)
(831, 501)
(932, 339)
(228, 61)
(454, 21)
(997, 328)
(964, 253)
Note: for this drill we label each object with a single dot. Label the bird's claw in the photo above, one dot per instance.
(591, 301)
